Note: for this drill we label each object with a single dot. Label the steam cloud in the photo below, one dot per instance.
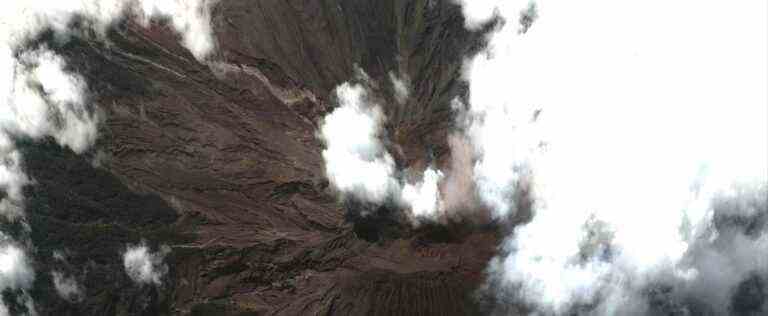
(641, 130)
(358, 164)
(40, 98)
(143, 266)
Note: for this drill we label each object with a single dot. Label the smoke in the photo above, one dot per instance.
(458, 189)
(641, 131)
(41, 97)
(25, 19)
(143, 266)
(359, 165)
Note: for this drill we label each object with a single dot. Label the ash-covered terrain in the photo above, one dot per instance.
(368, 157)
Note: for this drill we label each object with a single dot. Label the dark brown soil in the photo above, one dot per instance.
(225, 167)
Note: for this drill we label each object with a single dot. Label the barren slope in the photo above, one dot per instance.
(222, 163)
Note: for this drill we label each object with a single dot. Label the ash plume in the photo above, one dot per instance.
(647, 160)
(458, 188)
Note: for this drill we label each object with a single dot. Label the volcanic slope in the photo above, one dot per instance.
(222, 163)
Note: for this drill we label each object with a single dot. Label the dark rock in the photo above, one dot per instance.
(226, 169)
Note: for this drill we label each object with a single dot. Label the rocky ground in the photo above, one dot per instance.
(222, 163)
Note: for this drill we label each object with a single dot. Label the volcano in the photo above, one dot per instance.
(371, 157)
(221, 163)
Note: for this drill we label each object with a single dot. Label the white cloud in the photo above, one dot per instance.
(190, 18)
(40, 97)
(477, 12)
(66, 287)
(47, 100)
(356, 161)
(12, 179)
(15, 273)
(649, 112)
(505, 141)
(143, 266)
(424, 197)
(401, 87)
